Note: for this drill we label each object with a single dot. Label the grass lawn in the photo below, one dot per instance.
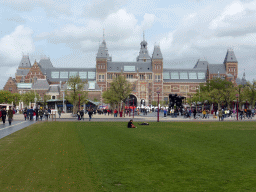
(98, 156)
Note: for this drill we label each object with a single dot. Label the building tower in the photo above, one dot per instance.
(102, 59)
(143, 54)
(157, 69)
(231, 64)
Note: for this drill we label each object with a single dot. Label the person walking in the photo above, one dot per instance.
(10, 115)
(204, 114)
(115, 113)
(82, 114)
(220, 115)
(3, 112)
(78, 115)
(59, 112)
(194, 112)
(90, 114)
(46, 114)
(37, 114)
(25, 113)
(41, 113)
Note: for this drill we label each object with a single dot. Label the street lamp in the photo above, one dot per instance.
(237, 95)
(158, 107)
(79, 102)
(133, 107)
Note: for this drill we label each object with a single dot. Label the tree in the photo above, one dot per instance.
(250, 92)
(16, 98)
(5, 96)
(45, 99)
(118, 92)
(29, 97)
(76, 88)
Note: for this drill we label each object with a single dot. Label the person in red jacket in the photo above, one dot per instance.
(115, 113)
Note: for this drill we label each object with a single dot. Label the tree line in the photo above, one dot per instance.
(225, 93)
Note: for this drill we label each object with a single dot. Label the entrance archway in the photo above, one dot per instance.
(131, 100)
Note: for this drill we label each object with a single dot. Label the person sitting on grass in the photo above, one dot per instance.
(130, 125)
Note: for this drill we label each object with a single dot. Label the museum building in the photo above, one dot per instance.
(147, 76)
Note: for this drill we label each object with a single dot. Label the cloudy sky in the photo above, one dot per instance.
(69, 31)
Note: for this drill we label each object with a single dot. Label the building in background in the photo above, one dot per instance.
(146, 74)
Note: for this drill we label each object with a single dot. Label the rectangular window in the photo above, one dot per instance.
(166, 75)
(157, 78)
(129, 68)
(91, 85)
(64, 74)
(72, 74)
(192, 76)
(91, 75)
(183, 75)
(201, 75)
(55, 74)
(83, 75)
(149, 76)
(174, 75)
(103, 77)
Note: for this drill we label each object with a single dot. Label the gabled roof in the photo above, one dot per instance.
(45, 63)
(22, 72)
(25, 62)
(157, 53)
(217, 68)
(41, 84)
(54, 89)
(201, 64)
(230, 57)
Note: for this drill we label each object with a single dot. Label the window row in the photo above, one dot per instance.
(101, 66)
(183, 75)
(66, 74)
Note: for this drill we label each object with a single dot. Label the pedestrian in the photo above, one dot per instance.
(31, 113)
(49, 113)
(165, 112)
(78, 115)
(59, 112)
(36, 112)
(3, 112)
(220, 115)
(46, 114)
(194, 112)
(204, 114)
(10, 115)
(82, 114)
(115, 113)
(90, 114)
(41, 113)
(25, 113)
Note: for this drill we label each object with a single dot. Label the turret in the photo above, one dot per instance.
(25, 62)
(231, 63)
(143, 54)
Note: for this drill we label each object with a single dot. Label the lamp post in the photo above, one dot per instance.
(237, 95)
(133, 107)
(79, 102)
(158, 107)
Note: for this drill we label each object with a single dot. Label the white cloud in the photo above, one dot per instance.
(121, 30)
(52, 7)
(12, 46)
(102, 8)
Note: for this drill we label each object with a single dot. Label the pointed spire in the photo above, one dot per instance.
(143, 35)
(103, 34)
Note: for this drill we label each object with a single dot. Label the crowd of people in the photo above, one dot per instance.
(9, 113)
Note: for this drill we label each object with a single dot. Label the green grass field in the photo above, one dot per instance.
(98, 156)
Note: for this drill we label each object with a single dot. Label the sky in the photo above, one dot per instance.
(69, 31)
